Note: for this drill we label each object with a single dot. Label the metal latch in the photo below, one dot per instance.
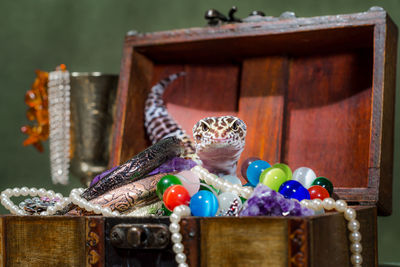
(140, 236)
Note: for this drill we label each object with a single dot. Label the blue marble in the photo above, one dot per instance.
(254, 171)
(294, 189)
(204, 204)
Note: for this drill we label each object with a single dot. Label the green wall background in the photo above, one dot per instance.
(88, 36)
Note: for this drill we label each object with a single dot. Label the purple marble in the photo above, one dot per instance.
(267, 202)
(174, 165)
(101, 175)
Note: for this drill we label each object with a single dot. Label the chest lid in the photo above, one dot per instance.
(316, 92)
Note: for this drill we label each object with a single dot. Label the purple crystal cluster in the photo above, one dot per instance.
(266, 202)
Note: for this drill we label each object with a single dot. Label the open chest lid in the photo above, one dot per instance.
(316, 92)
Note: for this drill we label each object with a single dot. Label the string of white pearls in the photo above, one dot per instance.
(74, 197)
(176, 237)
(353, 224)
(25, 191)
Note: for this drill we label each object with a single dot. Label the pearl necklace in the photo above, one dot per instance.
(59, 122)
(74, 197)
(183, 210)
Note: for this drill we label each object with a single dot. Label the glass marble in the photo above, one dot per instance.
(204, 204)
(166, 212)
(288, 188)
(254, 171)
(245, 165)
(284, 168)
(305, 176)
(325, 183)
(166, 182)
(232, 179)
(190, 181)
(176, 195)
(317, 191)
(273, 178)
(294, 189)
(225, 201)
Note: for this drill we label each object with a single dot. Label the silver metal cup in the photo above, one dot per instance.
(92, 104)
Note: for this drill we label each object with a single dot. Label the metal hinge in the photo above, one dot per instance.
(140, 236)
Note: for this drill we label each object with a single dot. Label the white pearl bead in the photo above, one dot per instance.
(8, 192)
(185, 211)
(16, 192)
(59, 196)
(33, 192)
(237, 187)
(90, 207)
(203, 174)
(14, 209)
(350, 214)
(24, 191)
(74, 199)
(58, 206)
(209, 179)
(178, 210)
(97, 209)
(178, 248)
(356, 259)
(317, 204)
(21, 213)
(174, 227)
(107, 209)
(50, 193)
(353, 225)
(41, 192)
(51, 210)
(226, 187)
(341, 205)
(174, 218)
(180, 258)
(176, 237)
(355, 236)
(115, 213)
(196, 168)
(44, 213)
(183, 265)
(329, 203)
(356, 248)
(217, 183)
(246, 192)
(305, 203)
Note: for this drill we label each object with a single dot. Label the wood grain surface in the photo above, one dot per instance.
(250, 241)
(329, 243)
(45, 241)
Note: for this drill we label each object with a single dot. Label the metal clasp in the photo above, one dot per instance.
(140, 236)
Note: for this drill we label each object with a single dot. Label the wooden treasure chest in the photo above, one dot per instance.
(316, 92)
